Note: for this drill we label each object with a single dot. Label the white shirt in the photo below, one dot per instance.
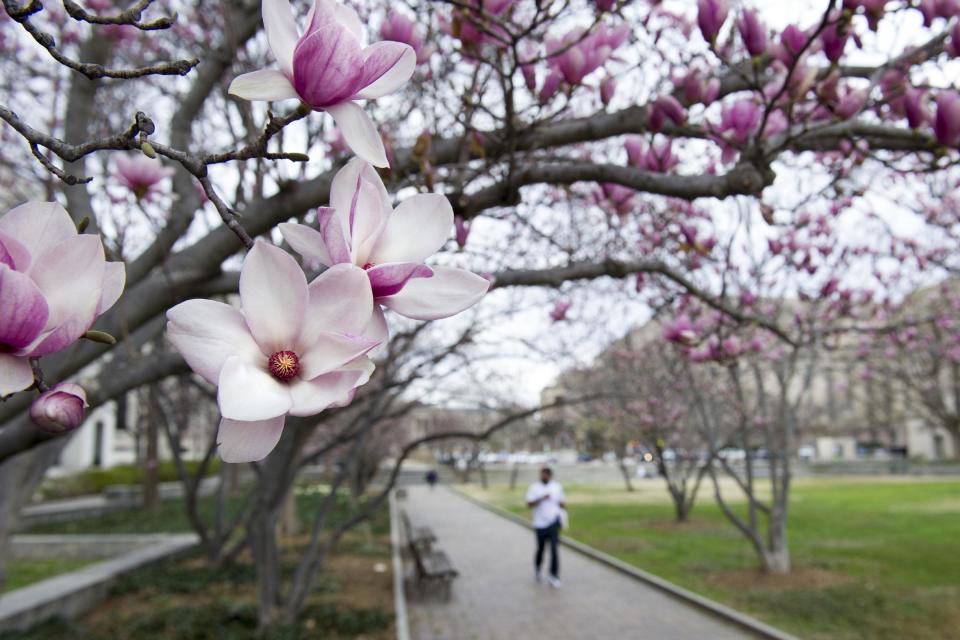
(545, 512)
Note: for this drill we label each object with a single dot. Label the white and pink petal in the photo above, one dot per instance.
(15, 374)
(340, 301)
(248, 441)
(114, 279)
(344, 187)
(389, 279)
(327, 67)
(248, 392)
(359, 132)
(306, 241)
(386, 67)
(448, 292)
(282, 35)
(71, 276)
(417, 229)
(23, 309)
(264, 84)
(13, 253)
(207, 333)
(38, 226)
(273, 293)
(313, 396)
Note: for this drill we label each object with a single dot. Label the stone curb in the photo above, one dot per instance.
(710, 606)
(402, 622)
(72, 594)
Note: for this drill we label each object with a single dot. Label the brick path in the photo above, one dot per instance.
(496, 596)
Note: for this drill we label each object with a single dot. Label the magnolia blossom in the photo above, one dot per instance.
(753, 33)
(140, 174)
(946, 126)
(292, 348)
(738, 123)
(59, 409)
(680, 330)
(473, 26)
(327, 68)
(617, 196)
(559, 311)
(578, 54)
(399, 28)
(54, 283)
(361, 228)
(665, 107)
(711, 14)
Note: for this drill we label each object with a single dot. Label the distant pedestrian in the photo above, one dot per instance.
(547, 501)
(432, 478)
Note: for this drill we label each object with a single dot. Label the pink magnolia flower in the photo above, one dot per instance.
(681, 331)
(59, 409)
(399, 28)
(292, 348)
(479, 22)
(711, 14)
(140, 174)
(738, 123)
(664, 108)
(792, 40)
(54, 283)
(616, 196)
(575, 55)
(946, 127)
(361, 228)
(559, 311)
(753, 33)
(327, 69)
(834, 38)
(696, 88)
(607, 89)
(658, 159)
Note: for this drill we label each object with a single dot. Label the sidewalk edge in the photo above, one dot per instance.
(402, 622)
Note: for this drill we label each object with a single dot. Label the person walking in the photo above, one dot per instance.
(547, 501)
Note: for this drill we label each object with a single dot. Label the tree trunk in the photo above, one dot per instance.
(483, 475)
(289, 522)
(514, 472)
(151, 472)
(776, 555)
(262, 530)
(776, 562)
(681, 507)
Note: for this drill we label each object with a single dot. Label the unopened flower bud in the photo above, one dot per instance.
(59, 409)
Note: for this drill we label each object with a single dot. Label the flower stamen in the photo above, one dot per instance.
(284, 365)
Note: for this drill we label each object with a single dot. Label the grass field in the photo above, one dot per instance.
(875, 558)
(21, 573)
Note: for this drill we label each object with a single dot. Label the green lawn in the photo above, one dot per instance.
(874, 558)
(20, 573)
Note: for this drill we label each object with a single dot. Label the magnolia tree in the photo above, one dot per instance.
(159, 155)
(919, 357)
(649, 393)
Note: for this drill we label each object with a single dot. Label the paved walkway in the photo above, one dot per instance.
(496, 596)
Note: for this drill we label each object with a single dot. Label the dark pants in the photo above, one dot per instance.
(551, 534)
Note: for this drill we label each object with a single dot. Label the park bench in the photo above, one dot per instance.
(432, 565)
(419, 536)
